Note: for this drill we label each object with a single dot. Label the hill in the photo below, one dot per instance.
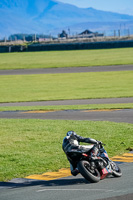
(49, 16)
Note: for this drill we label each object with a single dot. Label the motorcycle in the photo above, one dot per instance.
(96, 169)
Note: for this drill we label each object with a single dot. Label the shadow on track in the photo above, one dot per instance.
(18, 183)
(30, 182)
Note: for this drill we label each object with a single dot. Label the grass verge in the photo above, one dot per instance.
(69, 107)
(31, 146)
(78, 58)
(66, 86)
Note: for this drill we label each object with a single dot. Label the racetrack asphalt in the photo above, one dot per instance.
(67, 70)
(123, 115)
(71, 102)
(71, 188)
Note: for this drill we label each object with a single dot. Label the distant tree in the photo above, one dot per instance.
(27, 37)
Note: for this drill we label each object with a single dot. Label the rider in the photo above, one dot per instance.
(71, 144)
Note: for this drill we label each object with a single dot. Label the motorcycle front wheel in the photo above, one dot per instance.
(116, 171)
(89, 174)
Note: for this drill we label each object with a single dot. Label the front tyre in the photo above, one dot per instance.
(91, 175)
(116, 171)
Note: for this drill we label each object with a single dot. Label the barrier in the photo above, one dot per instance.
(79, 46)
(67, 46)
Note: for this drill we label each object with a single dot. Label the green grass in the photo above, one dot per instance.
(68, 107)
(29, 146)
(50, 59)
(66, 86)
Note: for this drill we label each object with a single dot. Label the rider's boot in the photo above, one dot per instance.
(75, 172)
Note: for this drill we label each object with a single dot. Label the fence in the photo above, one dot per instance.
(68, 46)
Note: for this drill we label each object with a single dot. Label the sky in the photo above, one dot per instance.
(120, 6)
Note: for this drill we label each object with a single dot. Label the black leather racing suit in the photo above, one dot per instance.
(72, 142)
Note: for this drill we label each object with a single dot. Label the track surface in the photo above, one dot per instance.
(125, 115)
(67, 70)
(71, 102)
(71, 188)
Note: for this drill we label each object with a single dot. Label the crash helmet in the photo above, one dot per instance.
(69, 133)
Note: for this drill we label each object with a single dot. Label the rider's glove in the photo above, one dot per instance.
(99, 142)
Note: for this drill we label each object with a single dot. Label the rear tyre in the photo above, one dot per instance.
(89, 174)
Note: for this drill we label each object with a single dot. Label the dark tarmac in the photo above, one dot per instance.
(71, 102)
(71, 188)
(122, 115)
(67, 70)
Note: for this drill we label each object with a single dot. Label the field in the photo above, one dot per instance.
(66, 86)
(56, 59)
(35, 146)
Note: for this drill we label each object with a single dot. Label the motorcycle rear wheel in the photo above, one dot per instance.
(91, 175)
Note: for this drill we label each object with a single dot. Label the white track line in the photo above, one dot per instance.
(57, 189)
